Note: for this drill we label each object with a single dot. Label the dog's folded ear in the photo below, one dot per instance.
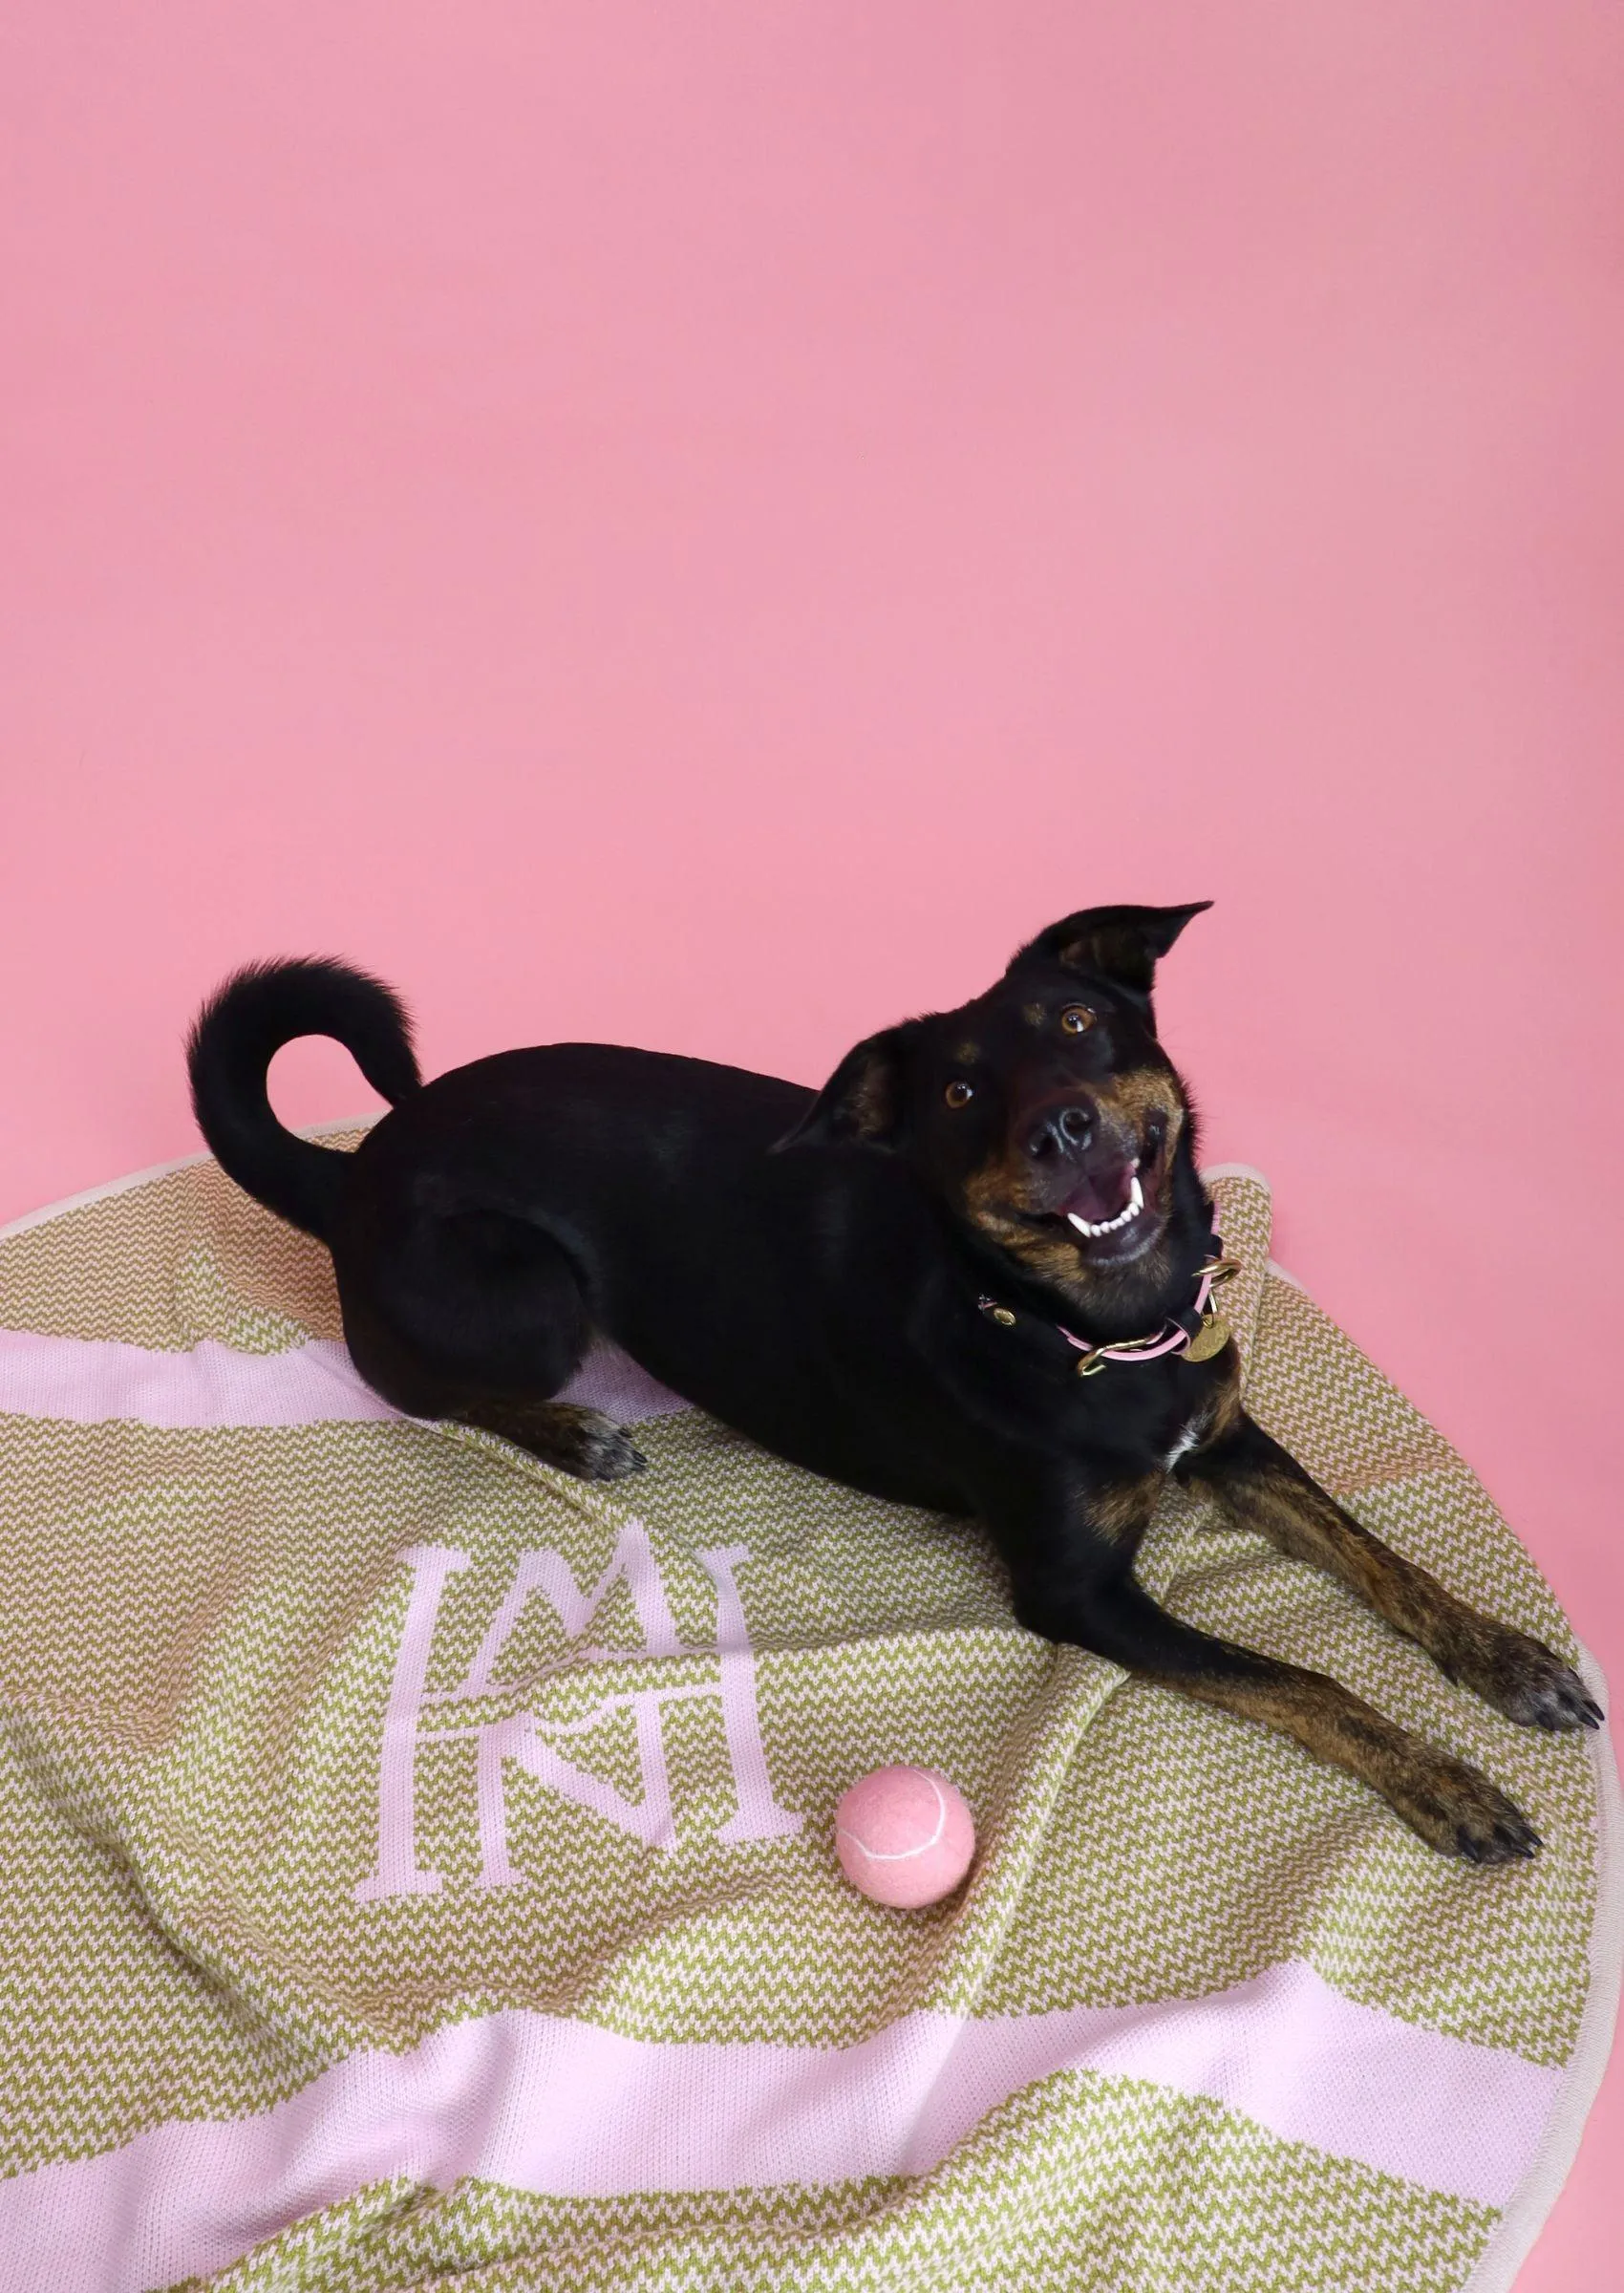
(861, 1105)
(1119, 945)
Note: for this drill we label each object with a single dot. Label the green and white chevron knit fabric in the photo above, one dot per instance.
(418, 1865)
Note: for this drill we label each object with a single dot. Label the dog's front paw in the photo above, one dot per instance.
(1528, 1682)
(1460, 1812)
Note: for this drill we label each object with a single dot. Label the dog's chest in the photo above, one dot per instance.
(1153, 1413)
(1187, 1439)
(1154, 1418)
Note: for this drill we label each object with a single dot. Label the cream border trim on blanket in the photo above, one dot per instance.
(1525, 2215)
(112, 1187)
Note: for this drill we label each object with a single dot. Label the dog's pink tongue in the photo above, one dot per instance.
(1099, 1194)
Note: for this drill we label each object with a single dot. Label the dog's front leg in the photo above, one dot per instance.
(1072, 1580)
(1260, 1487)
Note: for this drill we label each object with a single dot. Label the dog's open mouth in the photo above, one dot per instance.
(1090, 1199)
(1111, 1212)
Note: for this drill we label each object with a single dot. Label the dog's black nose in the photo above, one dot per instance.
(1063, 1130)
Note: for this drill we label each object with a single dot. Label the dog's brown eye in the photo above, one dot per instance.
(959, 1094)
(1077, 1018)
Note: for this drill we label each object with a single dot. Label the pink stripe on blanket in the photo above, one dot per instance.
(566, 2108)
(90, 1381)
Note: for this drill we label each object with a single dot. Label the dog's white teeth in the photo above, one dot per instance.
(1109, 1226)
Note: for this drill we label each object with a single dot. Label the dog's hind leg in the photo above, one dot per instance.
(1260, 1487)
(479, 1318)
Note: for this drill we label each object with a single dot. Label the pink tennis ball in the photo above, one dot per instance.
(904, 1836)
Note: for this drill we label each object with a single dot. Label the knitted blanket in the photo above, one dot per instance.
(417, 1865)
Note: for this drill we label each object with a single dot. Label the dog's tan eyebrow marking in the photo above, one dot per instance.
(1140, 1092)
(968, 1053)
(1034, 1014)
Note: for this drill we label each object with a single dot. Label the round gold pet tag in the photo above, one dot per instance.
(1213, 1336)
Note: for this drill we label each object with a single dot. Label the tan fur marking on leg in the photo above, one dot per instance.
(1223, 1411)
(1511, 1671)
(1446, 1801)
(1123, 1511)
(1302, 1520)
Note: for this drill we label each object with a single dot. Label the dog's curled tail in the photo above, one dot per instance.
(236, 1036)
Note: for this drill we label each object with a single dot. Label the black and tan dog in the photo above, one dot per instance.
(874, 1281)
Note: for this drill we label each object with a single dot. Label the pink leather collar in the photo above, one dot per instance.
(1173, 1337)
(1197, 1331)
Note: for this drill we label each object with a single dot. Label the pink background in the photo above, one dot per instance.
(702, 525)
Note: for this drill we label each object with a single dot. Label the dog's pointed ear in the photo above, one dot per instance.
(1119, 945)
(861, 1105)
